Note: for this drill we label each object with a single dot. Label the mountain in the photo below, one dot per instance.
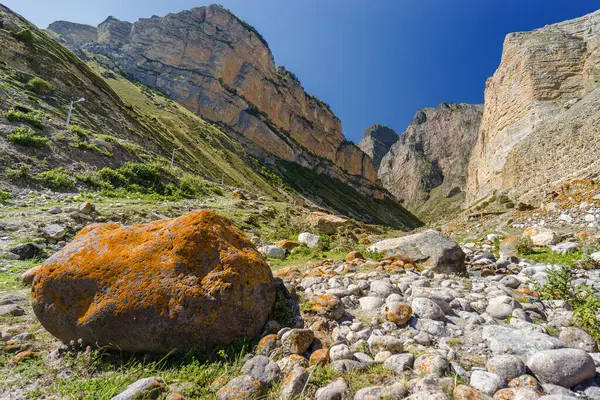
(124, 134)
(541, 121)
(426, 168)
(219, 67)
(376, 142)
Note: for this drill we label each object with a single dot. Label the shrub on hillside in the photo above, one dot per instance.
(27, 138)
(25, 36)
(4, 196)
(524, 245)
(57, 179)
(31, 118)
(40, 86)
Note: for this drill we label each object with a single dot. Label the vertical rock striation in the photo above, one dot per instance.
(541, 121)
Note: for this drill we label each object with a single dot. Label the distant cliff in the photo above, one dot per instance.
(427, 167)
(221, 68)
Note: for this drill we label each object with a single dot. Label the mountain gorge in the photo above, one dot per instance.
(122, 120)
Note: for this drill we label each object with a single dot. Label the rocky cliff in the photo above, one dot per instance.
(377, 141)
(541, 121)
(219, 67)
(427, 167)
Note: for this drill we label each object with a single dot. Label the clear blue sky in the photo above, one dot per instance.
(375, 61)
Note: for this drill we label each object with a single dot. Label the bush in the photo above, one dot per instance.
(92, 147)
(40, 86)
(81, 133)
(24, 36)
(32, 118)
(57, 179)
(23, 171)
(4, 196)
(524, 245)
(191, 185)
(583, 298)
(26, 137)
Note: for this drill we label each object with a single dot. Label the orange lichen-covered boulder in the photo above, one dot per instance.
(190, 282)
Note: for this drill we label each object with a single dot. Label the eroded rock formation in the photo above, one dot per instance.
(218, 66)
(427, 167)
(541, 122)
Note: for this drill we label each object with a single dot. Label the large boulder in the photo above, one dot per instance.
(431, 248)
(541, 236)
(326, 223)
(190, 282)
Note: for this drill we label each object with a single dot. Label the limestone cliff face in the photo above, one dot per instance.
(541, 121)
(73, 34)
(427, 167)
(219, 67)
(376, 142)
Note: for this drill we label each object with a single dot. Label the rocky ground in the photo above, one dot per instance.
(511, 311)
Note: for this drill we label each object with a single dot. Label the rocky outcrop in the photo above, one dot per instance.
(72, 33)
(377, 141)
(219, 67)
(427, 167)
(541, 122)
(190, 282)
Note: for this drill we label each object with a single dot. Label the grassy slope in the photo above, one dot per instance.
(345, 199)
(146, 126)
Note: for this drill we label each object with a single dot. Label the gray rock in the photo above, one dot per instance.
(399, 362)
(263, 369)
(272, 251)
(86, 208)
(293, 384)
(54, 232)
(340, 352)
(427, 308)
(563, 367)
(370, 303)
(340, 367)
(574, 338)
(510, 281)
(27, 251)
(385, 343)
(433, 249)
(311, 241)
(12, 298)
(486, 382)
(11, 309)
(382, 289)
(520, 342)
(332, 391)
(149, 388)
(565, 247)
(501, 307)
(396, 391)
(431, 364)
(506, 366)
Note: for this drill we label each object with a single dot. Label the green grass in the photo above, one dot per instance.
(547, 256)
(12, 276)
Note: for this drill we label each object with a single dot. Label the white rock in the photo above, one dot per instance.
(311, 241)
